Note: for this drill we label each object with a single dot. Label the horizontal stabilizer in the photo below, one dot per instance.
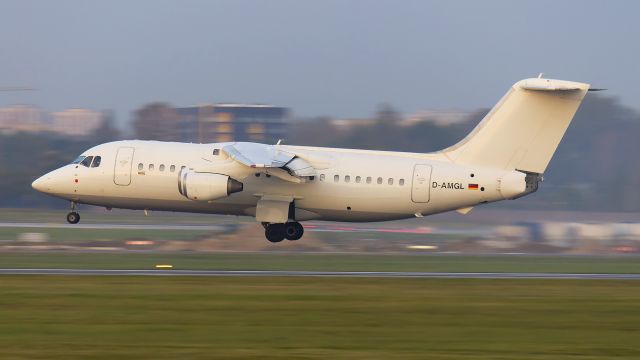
(548, 85)
(464, 211)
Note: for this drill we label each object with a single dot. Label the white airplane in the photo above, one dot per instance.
(504, 157)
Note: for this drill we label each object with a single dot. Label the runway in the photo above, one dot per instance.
(309, 227)
(345, 274)
(41, 225)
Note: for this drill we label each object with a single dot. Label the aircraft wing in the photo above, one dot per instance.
(270, 158)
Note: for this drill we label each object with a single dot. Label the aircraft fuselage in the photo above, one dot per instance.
(351, 185)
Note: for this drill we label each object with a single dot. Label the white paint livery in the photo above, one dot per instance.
(502, 158)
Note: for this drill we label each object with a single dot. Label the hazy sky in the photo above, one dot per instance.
(330, 57)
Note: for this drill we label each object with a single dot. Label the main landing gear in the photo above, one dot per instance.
(278, 232)
(73, 217)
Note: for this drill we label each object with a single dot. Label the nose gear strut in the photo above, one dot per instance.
(73, 217)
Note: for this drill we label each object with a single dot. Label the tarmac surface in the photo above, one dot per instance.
(110, 226)
(309, 227)
(382, 274)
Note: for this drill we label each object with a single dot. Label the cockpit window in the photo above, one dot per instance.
(87, 161)
(78, 159)
(96, 161)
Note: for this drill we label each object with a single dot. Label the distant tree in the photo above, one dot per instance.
(317, 131)
(157, 121)
(387, 114)
(107, 130)
(596, 162)
(26, 156)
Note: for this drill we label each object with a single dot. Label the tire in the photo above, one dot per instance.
(275, 232)
(73, 217)
(293, 231)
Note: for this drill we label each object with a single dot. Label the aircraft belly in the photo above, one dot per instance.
(357, 216)
(166, 205)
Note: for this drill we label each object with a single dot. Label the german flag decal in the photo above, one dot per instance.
(473, 187)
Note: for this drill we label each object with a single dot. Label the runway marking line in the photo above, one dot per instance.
(389, 274)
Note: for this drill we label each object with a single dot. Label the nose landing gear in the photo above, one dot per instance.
(73, 217)
(278, 232)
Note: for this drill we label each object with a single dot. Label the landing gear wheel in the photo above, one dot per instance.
(293, 230)
(73, 217)
(275, 232)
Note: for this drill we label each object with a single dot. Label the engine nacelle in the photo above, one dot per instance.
(206, 186)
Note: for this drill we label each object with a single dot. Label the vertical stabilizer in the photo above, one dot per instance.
(524, 129)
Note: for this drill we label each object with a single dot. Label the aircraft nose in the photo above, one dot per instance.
(42, 183)
(55, 182)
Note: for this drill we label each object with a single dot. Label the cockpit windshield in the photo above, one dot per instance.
(96, 161)
(87, 161)
(78, 160)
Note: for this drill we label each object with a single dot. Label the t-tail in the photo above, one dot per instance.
(523, 130)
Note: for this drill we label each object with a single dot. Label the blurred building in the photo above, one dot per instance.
(76, 122)
(22, 118)
(345, 125)
(232, 122)
(70, 122)
(159, 121)
(438, 117)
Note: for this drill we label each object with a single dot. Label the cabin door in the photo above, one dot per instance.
(124, 161)
(420, 183)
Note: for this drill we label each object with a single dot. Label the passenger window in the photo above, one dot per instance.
(336, 178)
(311, 178)
(161, 167)
(321, 177)
(368, 179)
(87, 161)
(358, 178)
(390, 181)
(151, 167)
(347, 178)
(96, 161)
(172, 168)
(216, 152)
(140, 167)
(401, 182)
(379, 180)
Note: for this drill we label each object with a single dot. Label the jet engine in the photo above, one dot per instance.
(206, 186)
